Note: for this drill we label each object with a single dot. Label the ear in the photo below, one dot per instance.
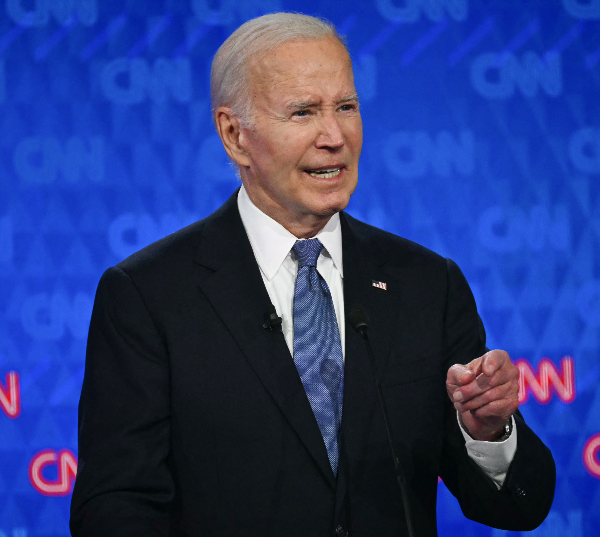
(228, 127)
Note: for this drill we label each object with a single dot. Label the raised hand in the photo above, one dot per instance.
(485, 392)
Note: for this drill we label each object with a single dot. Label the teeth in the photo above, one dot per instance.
(326, 174)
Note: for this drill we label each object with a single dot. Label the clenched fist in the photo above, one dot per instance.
(485, 392)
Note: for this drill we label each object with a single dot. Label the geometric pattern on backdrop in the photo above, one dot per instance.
(482, 142)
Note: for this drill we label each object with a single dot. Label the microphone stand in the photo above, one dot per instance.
(360, 322)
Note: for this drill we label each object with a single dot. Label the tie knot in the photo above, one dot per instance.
(307, 252)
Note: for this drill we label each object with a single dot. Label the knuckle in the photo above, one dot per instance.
(494, 381)
(494, 394)
(469, 405)
(497, 408)
(502, 354)
(453, 372)
(469, 392)
(492, 397)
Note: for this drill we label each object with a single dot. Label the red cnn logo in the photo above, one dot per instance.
(539, 384)
(10, 398)
(590, 455)
(66, 464)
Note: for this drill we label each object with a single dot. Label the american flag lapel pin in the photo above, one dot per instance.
(380, 285)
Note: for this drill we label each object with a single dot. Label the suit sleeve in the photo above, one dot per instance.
(525, 498)
(123, 485)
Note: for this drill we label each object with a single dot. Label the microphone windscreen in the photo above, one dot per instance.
(359, 318)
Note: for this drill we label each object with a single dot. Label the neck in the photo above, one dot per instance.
(302, 226)
(304, 230)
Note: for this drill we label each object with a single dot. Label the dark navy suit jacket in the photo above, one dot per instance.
(193, 419)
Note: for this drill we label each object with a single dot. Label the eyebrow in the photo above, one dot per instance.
(301, 104)
(297, 105)
(351, 97)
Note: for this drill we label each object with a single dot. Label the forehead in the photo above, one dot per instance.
(298, 67)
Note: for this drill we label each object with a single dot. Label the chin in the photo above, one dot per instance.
(331, 205)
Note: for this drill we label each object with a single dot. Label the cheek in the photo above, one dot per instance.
(293, 143)
(266, 148)
(355, 136)
(276, 151)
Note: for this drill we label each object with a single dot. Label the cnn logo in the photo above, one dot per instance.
(546, 379)
(591, 450)
(10, 397)
(64, 463)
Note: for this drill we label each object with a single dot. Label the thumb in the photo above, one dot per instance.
(459, 375)
(476, 366)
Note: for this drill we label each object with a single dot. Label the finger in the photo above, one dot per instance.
(464, 382)
(481, 385)
(475, 388)
(475, 365)
(507, 374)
(499, 410)
(458, 375)
(502, 392)
(493, 361)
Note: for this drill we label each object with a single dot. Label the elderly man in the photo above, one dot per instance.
(224, 393)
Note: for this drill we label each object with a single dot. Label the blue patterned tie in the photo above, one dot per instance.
(317, 346)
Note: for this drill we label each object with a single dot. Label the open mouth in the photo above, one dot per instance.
(326, 173)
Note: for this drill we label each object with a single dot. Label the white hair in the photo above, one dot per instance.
(230, 71)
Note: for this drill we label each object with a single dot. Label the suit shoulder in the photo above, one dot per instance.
(166, 252)
(175, 250)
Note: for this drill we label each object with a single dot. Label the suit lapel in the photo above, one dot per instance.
(236, 291)
(364, 263)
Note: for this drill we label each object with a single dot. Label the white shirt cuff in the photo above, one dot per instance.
(493, 458)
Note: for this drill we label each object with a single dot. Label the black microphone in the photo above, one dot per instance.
(359, 319)
(272, 321)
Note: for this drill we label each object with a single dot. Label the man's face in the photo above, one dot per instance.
(303, 147)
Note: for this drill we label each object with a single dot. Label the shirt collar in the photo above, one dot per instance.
(271, 242)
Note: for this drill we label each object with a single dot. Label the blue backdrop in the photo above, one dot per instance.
(482, 142)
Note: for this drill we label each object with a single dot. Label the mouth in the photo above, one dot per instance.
(325, 173)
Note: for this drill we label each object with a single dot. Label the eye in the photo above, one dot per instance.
(301, 113)
(347, 107)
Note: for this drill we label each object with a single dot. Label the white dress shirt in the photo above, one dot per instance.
(272, 247)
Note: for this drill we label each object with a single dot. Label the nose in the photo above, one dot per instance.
(330, 134)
